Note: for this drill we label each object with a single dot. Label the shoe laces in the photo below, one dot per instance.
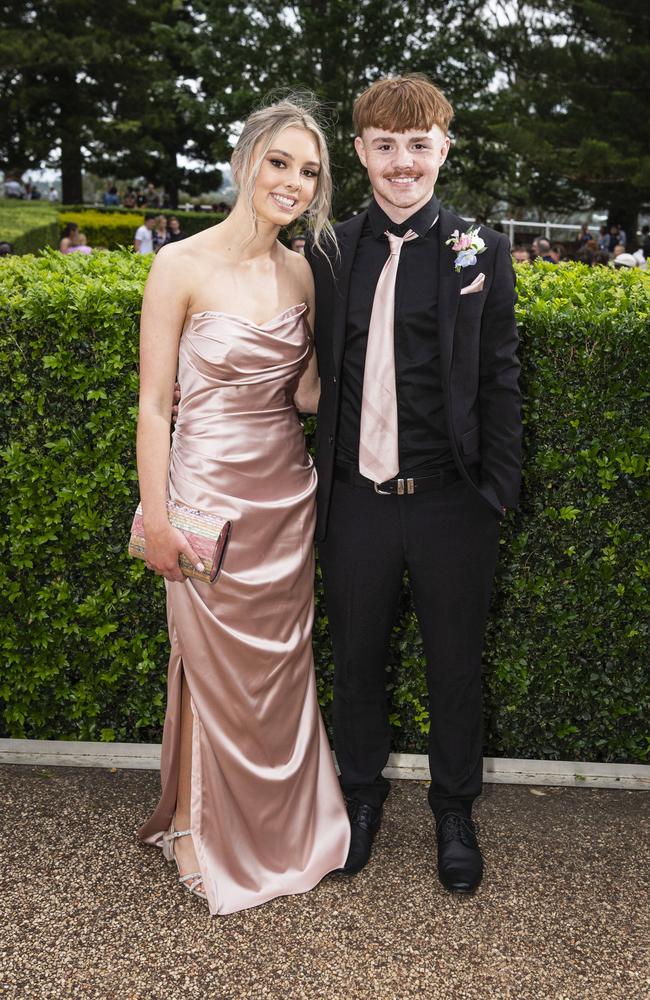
(454, 826)
(361, 813)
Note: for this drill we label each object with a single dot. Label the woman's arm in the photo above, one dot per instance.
(308, 391)
(163, 314)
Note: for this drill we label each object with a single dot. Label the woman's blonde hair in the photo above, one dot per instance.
(258, 135)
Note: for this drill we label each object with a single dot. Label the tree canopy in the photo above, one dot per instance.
(550, 95)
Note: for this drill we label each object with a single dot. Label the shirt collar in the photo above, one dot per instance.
(420, 222)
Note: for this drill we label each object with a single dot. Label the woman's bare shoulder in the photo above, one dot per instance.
(298, 266)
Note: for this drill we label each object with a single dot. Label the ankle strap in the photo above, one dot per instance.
(178, 833)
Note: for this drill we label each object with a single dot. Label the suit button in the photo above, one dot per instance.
(331, 439)
(334, 379)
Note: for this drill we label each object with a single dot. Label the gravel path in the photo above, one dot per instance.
(87, 913)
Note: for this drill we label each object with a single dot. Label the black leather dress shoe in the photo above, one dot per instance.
(460, 864)
(365, 820)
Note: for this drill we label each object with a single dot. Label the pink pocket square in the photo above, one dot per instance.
(476, 286)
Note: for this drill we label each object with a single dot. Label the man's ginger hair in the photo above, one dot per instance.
(402, 104)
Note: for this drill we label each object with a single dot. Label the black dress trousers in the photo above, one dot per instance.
(448, 541)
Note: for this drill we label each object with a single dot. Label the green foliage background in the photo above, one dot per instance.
(83, 642)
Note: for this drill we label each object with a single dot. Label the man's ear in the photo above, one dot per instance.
(361, 150)
(445, 150)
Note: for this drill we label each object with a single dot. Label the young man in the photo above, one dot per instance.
(418, 455)
(143, 239)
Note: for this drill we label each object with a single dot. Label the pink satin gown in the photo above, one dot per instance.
(267, 815)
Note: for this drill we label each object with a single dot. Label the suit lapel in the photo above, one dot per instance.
(448, 290)
(348, 240)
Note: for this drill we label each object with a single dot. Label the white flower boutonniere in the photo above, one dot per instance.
(467, 246)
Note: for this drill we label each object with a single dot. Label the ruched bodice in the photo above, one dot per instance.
(268, 818)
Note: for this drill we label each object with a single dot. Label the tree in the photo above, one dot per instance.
(571, 111)
(102, 85)
(334, 48)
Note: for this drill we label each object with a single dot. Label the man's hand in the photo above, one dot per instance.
(177, 399)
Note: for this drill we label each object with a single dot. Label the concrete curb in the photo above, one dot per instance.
(499, 770)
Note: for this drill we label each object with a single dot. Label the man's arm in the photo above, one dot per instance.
(499, 395)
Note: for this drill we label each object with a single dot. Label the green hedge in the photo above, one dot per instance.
(83, 640)
(191, 222)
(28, 225)
(104, 231)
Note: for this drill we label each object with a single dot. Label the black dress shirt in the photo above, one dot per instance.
(423, 438)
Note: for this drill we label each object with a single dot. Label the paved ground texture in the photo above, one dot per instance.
(87, 913)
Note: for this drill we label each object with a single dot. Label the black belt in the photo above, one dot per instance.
(415, 484)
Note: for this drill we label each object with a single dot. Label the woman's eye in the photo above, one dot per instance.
(278, 163)
(310, 173)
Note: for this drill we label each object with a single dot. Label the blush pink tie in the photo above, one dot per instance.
(378, 449)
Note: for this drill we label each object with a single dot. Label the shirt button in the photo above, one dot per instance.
(331, 439)
(334, 379)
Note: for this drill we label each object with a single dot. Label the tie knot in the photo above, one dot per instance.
(395, 242)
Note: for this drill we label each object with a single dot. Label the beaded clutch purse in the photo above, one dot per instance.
(207, 534)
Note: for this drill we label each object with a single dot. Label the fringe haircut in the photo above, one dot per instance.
(402, 104)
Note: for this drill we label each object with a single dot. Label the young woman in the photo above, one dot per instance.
(72, 241)
(251, 807)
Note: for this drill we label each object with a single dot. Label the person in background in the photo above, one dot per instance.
(129, 199)
(584, 235)
(140, 198)
(110, 196)
(160, 235)
(587, 253)
(603, 239)
(72, 241)
(143, 239)
(521, 255)
(52, 194)
(174, 231)
(298, 243)
(151, 195)
(623, 261)
(6, 249)
(542, 248)
(645, 241)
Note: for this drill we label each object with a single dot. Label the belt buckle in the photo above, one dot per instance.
(382, 493)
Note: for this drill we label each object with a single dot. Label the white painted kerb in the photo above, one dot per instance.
(61, 753)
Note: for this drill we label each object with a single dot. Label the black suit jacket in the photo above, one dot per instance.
(478, 355)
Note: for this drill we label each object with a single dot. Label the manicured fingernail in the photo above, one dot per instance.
(200, 567)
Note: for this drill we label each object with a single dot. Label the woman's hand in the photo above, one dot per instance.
(163, 546)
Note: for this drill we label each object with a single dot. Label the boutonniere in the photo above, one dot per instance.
(467, 246)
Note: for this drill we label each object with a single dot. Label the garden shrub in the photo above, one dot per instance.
(105, 231)
(28, 225)
(113, 227)
(83, 639)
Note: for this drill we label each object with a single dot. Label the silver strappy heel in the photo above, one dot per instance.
(192, 882)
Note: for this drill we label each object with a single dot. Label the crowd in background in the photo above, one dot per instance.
(609, 247)
(156, 231)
